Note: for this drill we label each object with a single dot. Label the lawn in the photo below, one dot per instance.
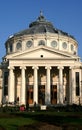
(13, 121)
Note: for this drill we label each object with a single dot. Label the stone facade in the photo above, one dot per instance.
(41, 65)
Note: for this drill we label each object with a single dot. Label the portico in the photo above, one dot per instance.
(40, 84)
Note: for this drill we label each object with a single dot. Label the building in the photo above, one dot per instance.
(41, 65)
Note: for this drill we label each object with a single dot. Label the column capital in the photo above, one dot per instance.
(35, 67)
(48, 67)
(71, 67)
(22, 67)
(60, 67)
(11, 67)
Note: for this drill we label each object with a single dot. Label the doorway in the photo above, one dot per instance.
(53, 94)
(30, 94)
(41, 94)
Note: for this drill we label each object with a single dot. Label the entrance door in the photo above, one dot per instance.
(30, 94)
(41, 94)
(54, 94)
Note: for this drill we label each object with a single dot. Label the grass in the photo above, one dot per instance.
(11, 121)
(14, 123)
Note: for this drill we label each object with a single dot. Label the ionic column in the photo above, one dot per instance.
(35, 84)
(22, 91)
(60, 85)
(71, 86)
(11, 88)
(3, 72)
(80, 84)
(48, 86)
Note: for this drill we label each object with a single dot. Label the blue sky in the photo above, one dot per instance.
(16, 15)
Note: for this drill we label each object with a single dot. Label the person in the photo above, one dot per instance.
(34, 104)
(27, 106)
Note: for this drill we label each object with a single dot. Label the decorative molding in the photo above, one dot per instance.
(35, 67)
(60, 67)
(48, 67)
(11, 67)
(22, 67)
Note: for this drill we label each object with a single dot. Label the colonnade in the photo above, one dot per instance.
(60, 90)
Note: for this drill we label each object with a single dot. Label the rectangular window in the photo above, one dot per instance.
(77, 84)
(11, 47)
(5, 83)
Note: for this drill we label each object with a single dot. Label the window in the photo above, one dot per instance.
(19, 45)
(72, 47)
(29, 44)
(64, 45)
(54, 44)
(41, 42)
(11, 48)
(77, 83)
(6, 83)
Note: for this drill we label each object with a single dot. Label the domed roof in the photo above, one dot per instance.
(41, 26)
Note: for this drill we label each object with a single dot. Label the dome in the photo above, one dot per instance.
(36, 35)
(41, 26)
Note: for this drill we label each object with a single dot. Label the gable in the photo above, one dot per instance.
(39, 52)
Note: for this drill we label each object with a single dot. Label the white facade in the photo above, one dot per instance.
(42, 67)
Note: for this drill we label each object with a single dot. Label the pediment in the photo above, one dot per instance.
(40, 52)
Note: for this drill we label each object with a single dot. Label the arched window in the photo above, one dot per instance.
(19, 45)
(64, 45)
(72, 47)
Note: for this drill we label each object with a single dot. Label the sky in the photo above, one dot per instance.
(16, 15)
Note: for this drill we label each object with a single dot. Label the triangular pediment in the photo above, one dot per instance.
(40, 52)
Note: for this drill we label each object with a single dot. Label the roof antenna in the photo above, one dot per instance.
(41, 14)
(41, 17)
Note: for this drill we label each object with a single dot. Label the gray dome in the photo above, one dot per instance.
(41, 26)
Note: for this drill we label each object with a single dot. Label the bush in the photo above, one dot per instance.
(66, 108)
(9, 109)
